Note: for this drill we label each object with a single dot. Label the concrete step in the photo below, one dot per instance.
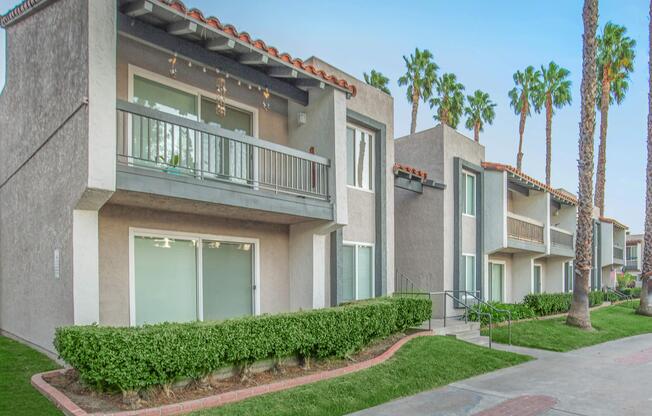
(466, 335)
(457, 328)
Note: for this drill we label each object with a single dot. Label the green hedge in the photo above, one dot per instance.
(135, 358)
(518, 310)
(634, 292)
(552, 303)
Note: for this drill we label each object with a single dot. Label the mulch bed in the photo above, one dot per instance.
(96, 401)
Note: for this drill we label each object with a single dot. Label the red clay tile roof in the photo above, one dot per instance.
(558, 193)
(18, 11)
(614, 222)
(198, 15)
(422, 174)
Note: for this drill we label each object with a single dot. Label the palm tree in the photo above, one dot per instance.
(552, 91)
(615, 63)
(378, 80)
(420, 76)
(480, 110)
(449, 100)
(645, 307)
(520, 100)
(579, 312)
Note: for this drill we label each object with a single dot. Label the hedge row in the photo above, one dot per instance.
(138, 357)
(635, 292)
(552, 303)
(518, 310)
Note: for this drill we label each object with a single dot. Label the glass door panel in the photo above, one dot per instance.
(365, 272)
(165, 280)
(537, 278)
(227, 270)
(348, 273)
(496, 282)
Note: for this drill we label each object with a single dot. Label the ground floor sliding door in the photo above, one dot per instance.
(358, 271)
(496, 282)
(181, 278)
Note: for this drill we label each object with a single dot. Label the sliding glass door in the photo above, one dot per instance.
(496, 281)
(189, 278)
(537, 278)
(357, 273)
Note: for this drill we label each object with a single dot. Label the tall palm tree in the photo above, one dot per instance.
(420, 76)
(579, 312)
(378, 80)
(479, 110)
(645, 307)
(449, 100)
(615, 63)
(520, 100)
(552, 91)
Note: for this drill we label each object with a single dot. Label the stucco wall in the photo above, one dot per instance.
(553, 281)
(36, 205)
(272, 124)
(495, 191)
(606, 244)
(114, 224)
(521, 276)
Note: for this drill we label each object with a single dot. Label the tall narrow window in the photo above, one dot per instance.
(537, 278)
(496, 281)
(469, 273)
(469, 194)
(357, 273)
(568, 276)
(360, 158)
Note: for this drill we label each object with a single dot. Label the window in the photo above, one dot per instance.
(469, 194)
(536, 278)
(360, 158)
(496, 281)
(358, 272)
(632, 253)
(469, 273)
(568, 276)
(187, 278)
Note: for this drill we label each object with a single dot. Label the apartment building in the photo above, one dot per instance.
(634, 254)
(609, 253)
(159, 165)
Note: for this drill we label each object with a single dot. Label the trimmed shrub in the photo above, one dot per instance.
(552, 303)
(138, 357)
(634, 292)
(518, 310)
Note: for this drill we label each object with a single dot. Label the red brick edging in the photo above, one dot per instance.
(71, 409)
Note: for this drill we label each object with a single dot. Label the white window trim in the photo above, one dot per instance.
(534, 266)
(563, 275)
(355, 245)
(146, 232)
(503, 278)
(372, 146)
(466, 173)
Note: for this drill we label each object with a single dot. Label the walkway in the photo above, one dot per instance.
(605, 379)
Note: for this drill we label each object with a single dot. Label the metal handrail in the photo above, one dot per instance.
(498, 310)
(448, 293)
(621, 295)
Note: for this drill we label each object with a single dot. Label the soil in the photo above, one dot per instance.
(98, 401)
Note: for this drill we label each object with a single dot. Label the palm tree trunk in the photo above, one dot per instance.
(600, 178)
(579, 312)
(476, 131)
(521, 130)
(645, 307)
(548, 137)
(415, 108)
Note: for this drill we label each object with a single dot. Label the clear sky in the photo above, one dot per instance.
(483, 43)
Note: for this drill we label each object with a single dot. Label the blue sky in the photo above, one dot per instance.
(483, 43)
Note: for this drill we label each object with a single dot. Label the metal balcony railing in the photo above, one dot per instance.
(632, 264)
(524, 230)
(618, 253)
(561, 238)
(155, 140)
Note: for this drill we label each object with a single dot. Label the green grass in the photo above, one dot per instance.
(609, 323)
(17, 365)
(422, 364)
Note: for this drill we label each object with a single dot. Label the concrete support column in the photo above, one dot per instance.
(86, 276)
(308, 269)
(521, 276)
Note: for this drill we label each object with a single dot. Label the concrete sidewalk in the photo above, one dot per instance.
(605, 379)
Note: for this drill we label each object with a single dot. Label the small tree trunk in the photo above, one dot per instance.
(579, 312)
(645, 307)
(415, 108)
(600, 176)
(476, 132)
(548, 137)
(521, 130)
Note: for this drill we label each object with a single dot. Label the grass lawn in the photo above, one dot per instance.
(613, 322)
(422, 364)
(17, 365)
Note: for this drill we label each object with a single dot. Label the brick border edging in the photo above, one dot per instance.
(69, 407)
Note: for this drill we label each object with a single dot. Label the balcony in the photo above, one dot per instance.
(618, 253)
(524, 229)
(159, 145)
(632, 264)
(561, 242)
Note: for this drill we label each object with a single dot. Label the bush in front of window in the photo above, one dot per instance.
(134, 358)
(552, 303)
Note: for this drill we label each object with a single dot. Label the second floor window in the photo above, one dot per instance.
(359, 158)
(632, 253)
(468, 207)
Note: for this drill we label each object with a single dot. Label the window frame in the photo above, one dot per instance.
(475, 272)
(569, 266)
(466, 174)
(356, 245)
(372, 147)
(503, 278)
(534, 267)
(198, 237)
